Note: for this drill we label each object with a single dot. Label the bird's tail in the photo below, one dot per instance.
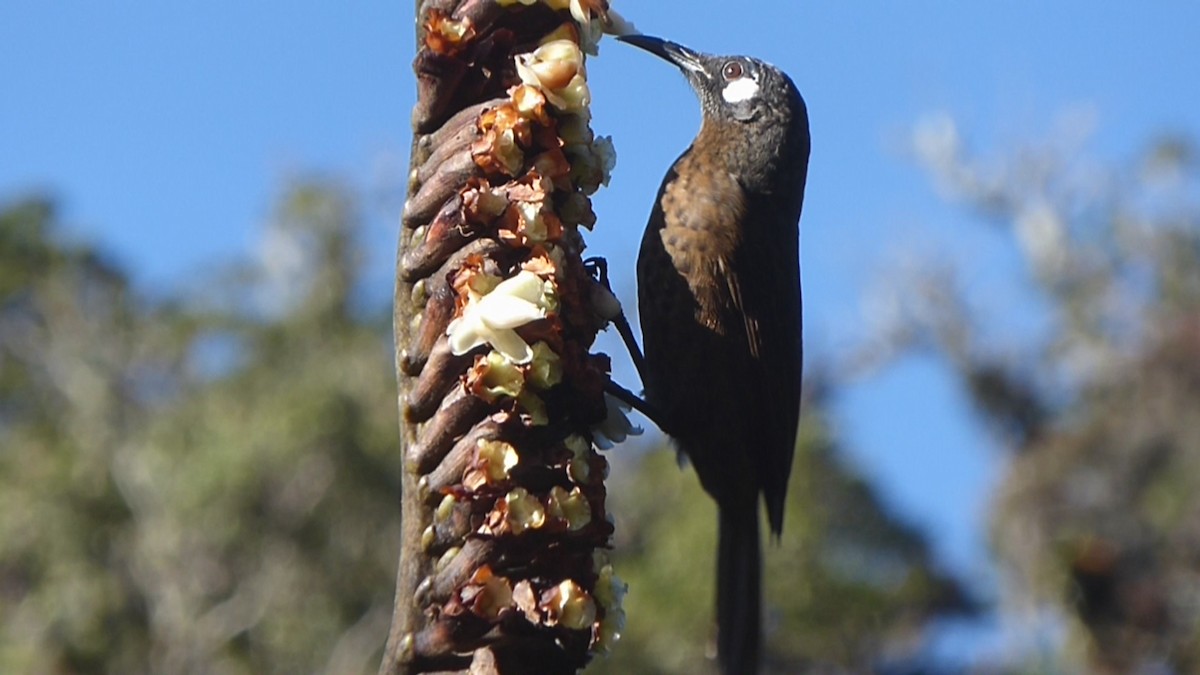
(739, 596)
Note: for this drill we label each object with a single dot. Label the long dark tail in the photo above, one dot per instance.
(739, 594)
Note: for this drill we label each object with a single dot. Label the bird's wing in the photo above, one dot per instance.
(750, 320)
(764, 282)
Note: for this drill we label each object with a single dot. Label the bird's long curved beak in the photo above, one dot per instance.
(681, 56)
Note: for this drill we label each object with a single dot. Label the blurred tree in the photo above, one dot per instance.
(196, 486)
(266, 493)
(70, 341)
(1099, 515)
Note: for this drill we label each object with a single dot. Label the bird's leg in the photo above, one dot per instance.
(637, 403)
(598, 267)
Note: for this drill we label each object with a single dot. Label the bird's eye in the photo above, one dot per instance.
(732, 70)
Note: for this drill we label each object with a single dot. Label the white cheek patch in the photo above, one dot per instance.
(741, 89)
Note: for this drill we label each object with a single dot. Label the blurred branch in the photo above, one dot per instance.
(1091, 514)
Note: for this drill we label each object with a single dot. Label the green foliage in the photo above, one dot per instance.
(189, 489)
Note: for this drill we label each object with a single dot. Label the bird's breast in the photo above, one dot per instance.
(702, 210)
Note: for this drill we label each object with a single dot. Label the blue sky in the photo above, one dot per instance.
(166, 129)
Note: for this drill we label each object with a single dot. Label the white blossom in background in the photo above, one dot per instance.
(1042, 236)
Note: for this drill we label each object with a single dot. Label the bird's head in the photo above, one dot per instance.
(730, 88)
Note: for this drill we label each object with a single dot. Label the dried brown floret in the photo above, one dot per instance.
(576, 210)
(488, 596)
(444, 35)
(568, 604)
(554, 166)
(497, 153)
(493, 377)
(525, 598)
(516, 513)
(530, 103)
(450, 470)
(528, 224)
(491, 465)
(540, 263)
(531, 187)
(482, 203)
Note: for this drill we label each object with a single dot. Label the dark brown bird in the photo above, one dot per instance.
(719, 300)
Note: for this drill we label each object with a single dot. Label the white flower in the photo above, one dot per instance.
(606, 156)
(618, 25)
(610, 594)
(531, 217)
(557, 69)
(592, 164)
(616, 426)
(604, 303)
(575, 130)
(491, 318)
(545, 369)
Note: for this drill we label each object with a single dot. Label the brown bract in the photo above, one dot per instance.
(530, 102)
(539, 263)
(487, 596)
(482, 203)
(497, 152)
(529, 223)
(493, 379)
(553, 165)
(532, 187)
(444, 35)
(465, 280)
(508, 130)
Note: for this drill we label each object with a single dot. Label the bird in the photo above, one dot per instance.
(719, 301)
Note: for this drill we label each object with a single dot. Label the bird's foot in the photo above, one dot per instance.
(647, 409)
(598, 267)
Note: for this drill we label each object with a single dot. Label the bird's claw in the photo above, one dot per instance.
(597, 267)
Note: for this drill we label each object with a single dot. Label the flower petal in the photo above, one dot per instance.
(525, 285)
(504, 311)
(508, 343)
(466, 333)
